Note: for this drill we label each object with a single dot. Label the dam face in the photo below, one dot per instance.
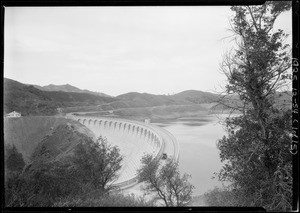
(134, 139)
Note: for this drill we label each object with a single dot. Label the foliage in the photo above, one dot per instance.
(31, 101)
(220, 197)
(97, 163)
(92, 167)
(165, 181)
(94, 198)
(260, 64)
(13, 159)
(256, 150)
(42, 186)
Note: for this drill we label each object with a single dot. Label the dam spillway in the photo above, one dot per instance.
(134, 139)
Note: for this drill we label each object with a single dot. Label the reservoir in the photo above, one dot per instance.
(199, 155)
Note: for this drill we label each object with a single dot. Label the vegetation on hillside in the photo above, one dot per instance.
(25, 133)
(163, 181)
(256, 151)
(13, 161)
(64, 172)
(221, 197)
(29, 100)
(67, 88)
(139, 100)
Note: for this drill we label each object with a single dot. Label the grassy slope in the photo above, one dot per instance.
(26, 132)
(58, 145)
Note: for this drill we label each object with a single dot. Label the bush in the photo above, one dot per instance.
(97, 199)
(85, 174)
(220, 197)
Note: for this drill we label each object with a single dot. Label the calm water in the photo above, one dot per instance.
(199, 155)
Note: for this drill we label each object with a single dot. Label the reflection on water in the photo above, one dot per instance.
(199, 155)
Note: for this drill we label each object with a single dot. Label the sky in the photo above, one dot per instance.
(115, 50)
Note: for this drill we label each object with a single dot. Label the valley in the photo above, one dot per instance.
(44, 134)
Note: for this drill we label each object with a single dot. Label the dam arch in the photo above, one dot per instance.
(134, 140)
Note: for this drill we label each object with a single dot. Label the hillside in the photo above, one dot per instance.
(27, 132)
(135, 99)
(29, 100)
(185, 97)
(67, 88)
(57, 145)
(74, 98)
(57, 172)
(196, 97)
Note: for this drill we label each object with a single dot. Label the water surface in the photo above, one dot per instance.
(199, 155)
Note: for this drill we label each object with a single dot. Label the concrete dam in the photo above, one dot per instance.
(134, 139)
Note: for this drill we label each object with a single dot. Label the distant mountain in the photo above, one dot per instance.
(183, 98)
(28, 100)
(196, 97)
(135, 99)
(67, 88)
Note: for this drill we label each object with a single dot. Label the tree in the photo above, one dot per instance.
(13, 159)
(164, 181)
(256, 150)
(97, 163)
(90, 169)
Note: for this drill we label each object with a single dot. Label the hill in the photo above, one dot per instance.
(135, 99)
(56, 172)
(196, 97)
(67, 88)
(182, 98)
(58, 145)
(29, 100)
(26, 133)
(32, 101)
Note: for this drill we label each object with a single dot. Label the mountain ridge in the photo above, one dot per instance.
(29, 100)
(67, 88)
(32, 101)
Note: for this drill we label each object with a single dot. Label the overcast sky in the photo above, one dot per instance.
(114, 50)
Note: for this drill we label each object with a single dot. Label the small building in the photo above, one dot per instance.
(13, 114)
(147, 121)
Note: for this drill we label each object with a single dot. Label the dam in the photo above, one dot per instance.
(134, 139)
